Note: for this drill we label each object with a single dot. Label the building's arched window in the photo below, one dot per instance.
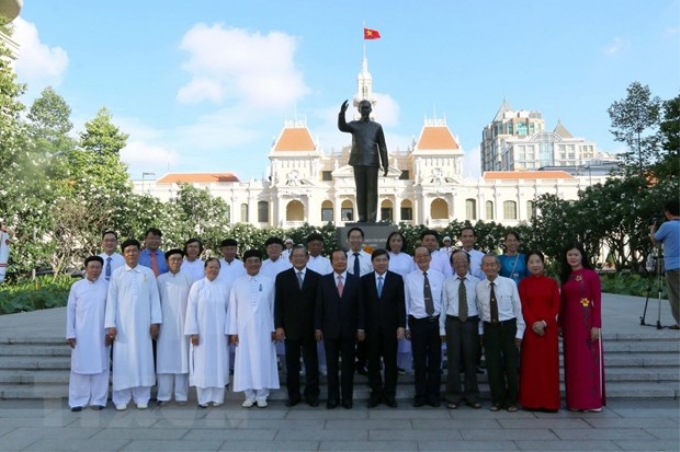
(531, 209)
(295, 211)
(489, 210)
(439, 209)
(347, 211)
(386, 210)
(327, 211)
(263, 212)
(471, 209)
(406, 210)
(509, 210)
(244, 213)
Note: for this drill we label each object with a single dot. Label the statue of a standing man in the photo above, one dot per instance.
(368, 151)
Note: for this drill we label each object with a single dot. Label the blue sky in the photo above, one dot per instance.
(206, 85)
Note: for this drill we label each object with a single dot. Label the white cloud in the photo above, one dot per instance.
(144, 155)
(619, 45)
(472, 166)
(231, 64)
(38, 63)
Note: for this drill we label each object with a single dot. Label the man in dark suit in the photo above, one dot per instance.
(385, 325)
(294, 305)
(339, 322)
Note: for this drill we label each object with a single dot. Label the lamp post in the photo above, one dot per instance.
(144, 174)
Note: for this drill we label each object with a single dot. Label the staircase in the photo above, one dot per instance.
(641, 364)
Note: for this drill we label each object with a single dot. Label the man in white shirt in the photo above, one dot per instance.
(502, 329)
(133, 317)
(447, 248)
(276, 263)
(458, 327)
(423, 291)
(173, 346)
(358, 264)
(193, 265)
(288, 245)
(250, 323)
(317, 262)
(89, 379)
(439, 259)
(468, 238)
(112, 259)
(230, 266)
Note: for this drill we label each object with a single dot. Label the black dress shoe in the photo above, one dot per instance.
(373, 402)
(292, 401)
(331, 404)
(390, 402)
(313, 401)
(347, 404)
(418, 402)
(75, 409)
(434, 403)
(97, 407)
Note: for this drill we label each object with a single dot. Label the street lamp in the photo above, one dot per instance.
(144, 174)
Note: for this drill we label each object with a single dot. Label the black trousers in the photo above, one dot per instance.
(382, 344)
(342, 348)
(462, 346)
(309, 355)
(366, 182)
(426, 345)
(502, 361)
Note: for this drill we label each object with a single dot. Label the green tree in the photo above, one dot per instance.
(634, 122)
(669, 140)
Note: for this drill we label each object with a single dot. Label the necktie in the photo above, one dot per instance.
(107, 272)
(380, 286)
(357, 267)
(154, 263)
(340, 286)
(462, 301)
(493, 304)
(300, 280)
(427, 294)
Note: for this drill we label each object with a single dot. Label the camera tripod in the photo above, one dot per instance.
(657, 257)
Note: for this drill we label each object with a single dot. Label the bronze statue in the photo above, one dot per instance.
(368, 152)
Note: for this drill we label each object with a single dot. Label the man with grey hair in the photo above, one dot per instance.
(502, 329)
(368, 151)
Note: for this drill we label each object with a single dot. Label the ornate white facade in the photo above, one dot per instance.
(425, 183)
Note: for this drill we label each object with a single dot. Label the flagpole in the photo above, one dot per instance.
(363, 30)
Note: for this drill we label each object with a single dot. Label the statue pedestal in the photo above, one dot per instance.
(375, 235)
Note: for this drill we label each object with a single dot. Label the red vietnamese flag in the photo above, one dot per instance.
(371, 34)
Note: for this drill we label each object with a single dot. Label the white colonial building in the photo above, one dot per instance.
(425, 183)
(9, 10)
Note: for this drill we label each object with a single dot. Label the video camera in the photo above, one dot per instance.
(660, 215)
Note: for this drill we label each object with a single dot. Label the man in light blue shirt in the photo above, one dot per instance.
(669, 235)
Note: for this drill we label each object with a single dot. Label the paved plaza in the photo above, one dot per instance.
(625, 424)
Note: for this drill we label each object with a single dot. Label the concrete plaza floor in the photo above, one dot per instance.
(625, 424)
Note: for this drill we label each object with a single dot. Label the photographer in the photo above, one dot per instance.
(669, 235)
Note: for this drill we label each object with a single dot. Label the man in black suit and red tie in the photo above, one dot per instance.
(294, 305)
(339, 322)
(385, 325)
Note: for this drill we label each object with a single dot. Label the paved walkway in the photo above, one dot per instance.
(623, 425)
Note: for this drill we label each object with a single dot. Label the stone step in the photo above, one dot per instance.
(35, 350)
(35, 363)
(615, 390)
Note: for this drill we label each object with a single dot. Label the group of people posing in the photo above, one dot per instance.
(174, 320)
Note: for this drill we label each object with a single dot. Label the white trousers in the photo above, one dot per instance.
(165, 384)
(257, 394)
(212, 394)
(140, 394)
(88, 389)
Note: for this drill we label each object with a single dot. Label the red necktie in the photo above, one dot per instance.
(154, 263)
